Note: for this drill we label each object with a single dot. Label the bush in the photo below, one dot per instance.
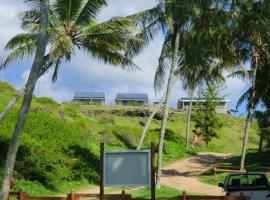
(46, 101)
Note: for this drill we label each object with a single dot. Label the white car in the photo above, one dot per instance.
(252, 184)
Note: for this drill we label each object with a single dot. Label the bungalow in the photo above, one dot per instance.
(131, 99)
(90, 98)
(222, 106)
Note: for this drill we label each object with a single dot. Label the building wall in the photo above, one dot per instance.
(131, 103)
(91, 101)
(222, 108)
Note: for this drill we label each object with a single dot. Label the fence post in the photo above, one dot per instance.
(21, 195)
(123, 195)
(184, 195)
(101, 172)
(72, 195)
(242, 196)
(153, 172)
(214, 170)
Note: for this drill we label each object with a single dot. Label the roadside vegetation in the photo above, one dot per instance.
(255, 161)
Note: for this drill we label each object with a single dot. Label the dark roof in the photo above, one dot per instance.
(200, 99)
(132, 96)
(89, 95)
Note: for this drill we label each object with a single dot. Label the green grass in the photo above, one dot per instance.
(59, 148)
(163, 192)
(254, 162)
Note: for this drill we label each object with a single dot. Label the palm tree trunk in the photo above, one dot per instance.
(261, 142)
(30, 86)
(188, 119)
(10, 105)
(166, 107)
(250, 110)
(145, 128)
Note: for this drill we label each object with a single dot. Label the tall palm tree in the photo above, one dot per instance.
(263, 118)
(252, 28)
(30, 86)
(71, 27)
(171, 17)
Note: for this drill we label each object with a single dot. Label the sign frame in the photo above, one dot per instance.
(148, 151)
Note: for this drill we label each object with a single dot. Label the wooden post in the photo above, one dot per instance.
(184, 196)
(215, 172)
(153, 174)
(72, 195)
(21, 195)
(101, 172)
(123, 196)
(242, 196)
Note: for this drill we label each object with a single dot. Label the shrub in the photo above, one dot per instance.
(46, 101)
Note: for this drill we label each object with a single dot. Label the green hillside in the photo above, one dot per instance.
(60, 144)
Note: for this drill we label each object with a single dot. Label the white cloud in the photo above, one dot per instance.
(84, 71)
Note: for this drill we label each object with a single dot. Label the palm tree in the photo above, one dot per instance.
(30, 86)
(71, 27)
(263, 119)
(252, 44)
(171, 17)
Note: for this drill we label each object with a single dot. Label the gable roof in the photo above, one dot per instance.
(132, 96)
(187, 99)
(89, 95)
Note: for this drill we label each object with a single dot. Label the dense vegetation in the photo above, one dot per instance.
(60, 145)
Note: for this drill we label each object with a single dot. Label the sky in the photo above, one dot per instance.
(85, 73)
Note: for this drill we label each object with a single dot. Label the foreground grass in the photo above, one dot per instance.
(254, 162)
(163, 192)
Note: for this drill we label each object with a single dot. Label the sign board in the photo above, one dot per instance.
(127, 168)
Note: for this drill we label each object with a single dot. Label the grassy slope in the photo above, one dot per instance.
(60, 145)
(254, 162)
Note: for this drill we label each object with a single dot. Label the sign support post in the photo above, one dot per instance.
(101, 172)
(153, 174)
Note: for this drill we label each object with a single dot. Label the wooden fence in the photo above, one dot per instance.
(216, 170)
(77, 196)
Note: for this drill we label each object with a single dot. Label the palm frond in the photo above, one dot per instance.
(87, 11)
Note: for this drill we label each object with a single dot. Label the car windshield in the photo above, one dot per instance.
(247, 180)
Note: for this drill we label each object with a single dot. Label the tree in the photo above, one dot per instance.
(71, 27)
(263, 119)
(112, 41)
(207, 122)
(30, 86)
(171, 17)
(251, 44)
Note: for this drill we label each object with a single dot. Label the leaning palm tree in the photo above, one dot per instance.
(70, 30)
(171, 17)
(30, 86)
(253, 45)
(71, 27)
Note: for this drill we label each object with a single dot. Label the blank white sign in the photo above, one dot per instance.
(127, 168)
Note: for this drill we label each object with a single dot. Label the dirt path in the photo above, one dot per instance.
(184, 174)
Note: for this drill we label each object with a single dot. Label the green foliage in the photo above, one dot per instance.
(58, 153)
(254, 162)
(46, 101)
(162, 192)
(207, 121)
(7, 89)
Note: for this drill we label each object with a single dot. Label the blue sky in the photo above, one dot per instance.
(84, 73)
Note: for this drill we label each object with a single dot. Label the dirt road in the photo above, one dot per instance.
(184, 174)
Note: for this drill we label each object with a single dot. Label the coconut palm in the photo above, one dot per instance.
(263, 118)
(71, 27)
(171, 17)
(253, 45)
(30, 86)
